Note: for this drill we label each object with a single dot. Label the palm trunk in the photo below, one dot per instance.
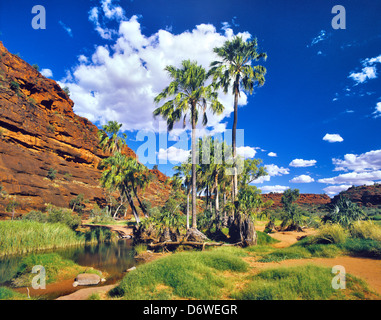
(133, 208)
(235, 178)
(194, 188)
(188, 209)
(140, 203)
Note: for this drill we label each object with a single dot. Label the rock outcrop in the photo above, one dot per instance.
(304, 199)
(39, 131)
(367, 196)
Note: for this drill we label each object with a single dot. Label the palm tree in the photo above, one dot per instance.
(238, 72)
(109, 141)
(190, 94)
(117, 173)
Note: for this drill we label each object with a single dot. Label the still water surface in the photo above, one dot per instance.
(113, 258)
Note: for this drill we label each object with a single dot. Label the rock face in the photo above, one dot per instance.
(367, 196)
(304, 198)
(39, 131)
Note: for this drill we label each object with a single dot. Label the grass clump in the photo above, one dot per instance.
(55, 267)
(19, 237)
(298, 283)
(185, 275)
(9, 294)
(366, 230)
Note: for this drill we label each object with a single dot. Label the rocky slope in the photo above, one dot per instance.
(367, 196)
(39, 131)
(304, 199)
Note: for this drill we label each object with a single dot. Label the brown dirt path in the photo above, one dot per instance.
(83, 294)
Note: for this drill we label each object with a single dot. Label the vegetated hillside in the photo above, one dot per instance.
(304, 199)
(39, 131)
(367, 196)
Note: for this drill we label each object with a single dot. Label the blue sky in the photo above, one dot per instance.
(316, 121)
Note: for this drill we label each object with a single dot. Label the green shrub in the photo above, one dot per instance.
(264, 239)
(345, 212)
(362, 247)
(15, 86)
(366, 230)
(9, 294)
(65, 216)
(51, 174)
(330, 233)
(37, 216)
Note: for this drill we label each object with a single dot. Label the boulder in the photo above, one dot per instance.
(87, 279)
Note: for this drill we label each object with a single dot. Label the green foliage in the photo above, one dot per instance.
(330, 233)
(63, 215)
(19, 237)
(15, 86)
(67, 91)
(345, 212)
(248, 200)
(51, 174)
(9, 294)
(295, 283)
(77, 204)
(365, 230)
(99, 215)
(265, 239)
(36, 67)
(185, 274)
(37, 216)
(292, 214)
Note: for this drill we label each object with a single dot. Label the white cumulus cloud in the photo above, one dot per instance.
(367, 161)
(119, 81)
(302, 163)
(47, 73)
(173, 154)
(272, 154)
(302, 179)
(333, 138)
(354, 178)
(333, 190)
(274, 189)
(377, 112)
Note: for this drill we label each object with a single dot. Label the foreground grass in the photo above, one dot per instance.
(300, 283)
(9, 294)
(182, 275)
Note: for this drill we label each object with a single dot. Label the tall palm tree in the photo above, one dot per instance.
(109, 139)
(190, 94)
(237, 71)
(183, 171)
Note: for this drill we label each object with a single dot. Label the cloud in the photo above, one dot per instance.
(368, 161)
(377, 113)
(173, 154)
(354, 178)
(300, 163)
(47, 73)
(333, 138)
(272, 171)
(368, 71)
(101, 16)
(333, 190)
(323, 35)
(275, 189)
(246, 152)
(302, 179)
(66, 28)
(272, 154)
(125, 76)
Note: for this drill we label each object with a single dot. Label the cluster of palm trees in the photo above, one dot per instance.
(189, 94)
(121, 172)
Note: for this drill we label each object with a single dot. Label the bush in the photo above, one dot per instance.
(330, 233)
(366, 230)
(63, 215)
(51, 174)
(37, 216)
(345, 212)
(15, 86)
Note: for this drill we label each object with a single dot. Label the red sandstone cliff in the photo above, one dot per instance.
(304, 198)
(39, 131)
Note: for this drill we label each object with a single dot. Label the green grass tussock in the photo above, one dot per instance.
(19, 237)
(184, 274)
(9, 294)
(297, 283)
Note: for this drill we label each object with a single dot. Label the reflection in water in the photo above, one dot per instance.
(114, 258)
